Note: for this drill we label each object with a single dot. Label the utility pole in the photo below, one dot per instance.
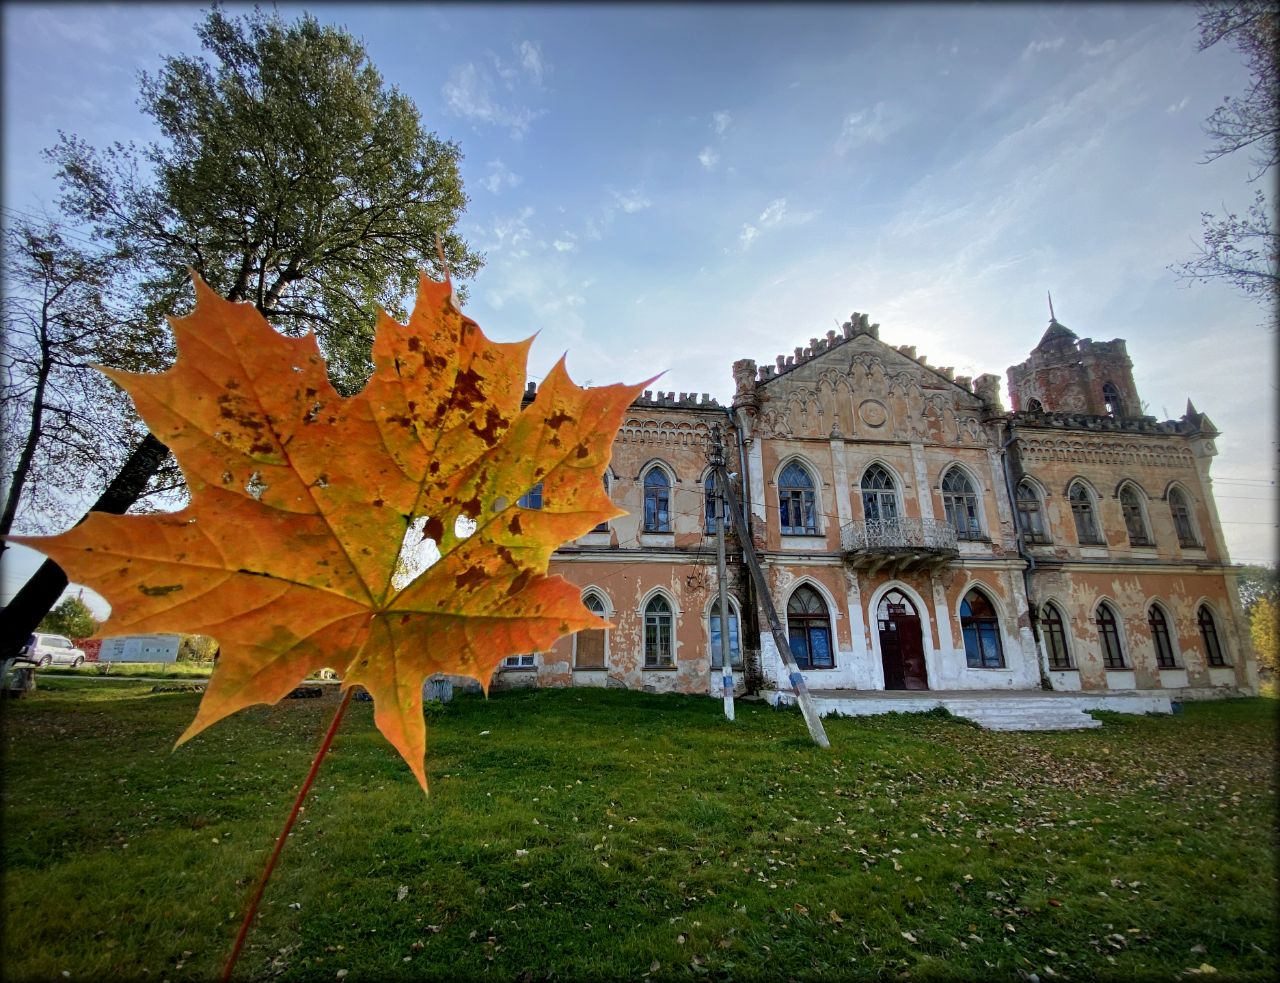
(718, 503)
(811, 718)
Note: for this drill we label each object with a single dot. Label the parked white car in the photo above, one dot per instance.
(45, 650)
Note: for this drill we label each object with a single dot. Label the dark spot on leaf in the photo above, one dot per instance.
(493, 426)
(514, 525)
(260, 448)
(558, 419)
(160, 591)
(519, 584)
(311, 392)
(434, 529)
(404, 618)
(232, 384)
(377, 503)
(433, 468)
(582, 451)
(471, 577)
(506, 555)
(414, 343)
(471, 509)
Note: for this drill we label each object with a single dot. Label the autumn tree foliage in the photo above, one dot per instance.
(1264, 629)
(288, 174)
(72, 618)
(1243, 247)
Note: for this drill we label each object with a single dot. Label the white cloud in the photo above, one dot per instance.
(499, 177)
(1178, 106)
(471, 91)
(774, 212)
(1035, 47)
(1093, 50)
(863, 127)
(510, 235)
(531, 59)
(720, 121)
(631, 202)
(708, 157)
(747, 236)
(565, 245)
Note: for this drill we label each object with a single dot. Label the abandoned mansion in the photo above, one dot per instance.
(913, 533)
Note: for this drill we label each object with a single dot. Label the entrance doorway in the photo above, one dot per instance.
(901, 644)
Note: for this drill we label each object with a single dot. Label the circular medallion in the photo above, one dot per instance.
(872, 413)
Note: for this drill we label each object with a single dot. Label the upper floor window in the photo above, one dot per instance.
(1209, 633)
(1030, 515)
(1055, 637)
(960, 503)
(1159, 626)
(1109, 636)
(1111, 399)
(796, 501)
(981, 630)
(710, 497)
(1035, 406)
(532, 499)
(1082, 511)
(879, 496)
(589, 644)
(1182, 521)
(735, 646)
(604, 526)
(809, 629)
(658, 634)
(657, 501)
(1135, 519)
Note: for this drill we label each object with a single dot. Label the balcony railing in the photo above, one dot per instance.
(903, 543)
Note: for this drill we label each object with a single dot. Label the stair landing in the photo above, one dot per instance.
(1018, 710)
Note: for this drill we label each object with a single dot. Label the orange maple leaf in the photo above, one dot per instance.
(305, 504)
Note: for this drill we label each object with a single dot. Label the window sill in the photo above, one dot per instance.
(989, 668)
(1118, 668)
(1063, 669)
(659, 669)
(816, 668)
(658, 539)
(518, 668)
(590, 668)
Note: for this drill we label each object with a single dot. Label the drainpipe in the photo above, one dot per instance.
(1030, 560)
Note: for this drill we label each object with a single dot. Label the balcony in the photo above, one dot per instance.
(898, 545)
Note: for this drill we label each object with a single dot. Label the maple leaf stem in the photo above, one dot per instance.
(284, 835)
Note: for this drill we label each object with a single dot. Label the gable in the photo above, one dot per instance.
(864, 389)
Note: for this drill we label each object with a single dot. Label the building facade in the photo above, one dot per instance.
(913, 533)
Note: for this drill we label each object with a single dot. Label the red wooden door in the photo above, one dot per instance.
(911, 648)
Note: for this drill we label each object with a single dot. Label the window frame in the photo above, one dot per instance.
(661, 493)
(735, 634)
(799, 500)
(1031, 504)
(881, 495)
(963, 502)
(658, 624)
(1161, 637)
(1086, 505)
(1183, 515)
(1109, 628)
(807, 623)
(1054, 628)
(1135, 514)
(604, 526)
(980, 632)
(1214, 654)
(1111, 402)
(518, 661)
(532, 499)
(600, 610)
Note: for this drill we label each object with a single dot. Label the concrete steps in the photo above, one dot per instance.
(1016, 715)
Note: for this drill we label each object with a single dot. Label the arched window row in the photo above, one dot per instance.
(1108, 626)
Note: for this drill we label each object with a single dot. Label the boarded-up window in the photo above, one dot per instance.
(588, 650)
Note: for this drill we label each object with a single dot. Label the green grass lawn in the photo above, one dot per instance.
(600, 835)
(158, 670)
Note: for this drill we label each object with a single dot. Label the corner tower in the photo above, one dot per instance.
(1066, 374)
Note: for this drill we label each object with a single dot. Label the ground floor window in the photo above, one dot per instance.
(735, 646)
(658, 631)
(809, 630)
(1209, 633)
(519, 662)
(589, 645)
(1159, 626)
(981, 630)
(1109, 637)
(1055, 638)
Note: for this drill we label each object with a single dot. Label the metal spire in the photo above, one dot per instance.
(1051, 314)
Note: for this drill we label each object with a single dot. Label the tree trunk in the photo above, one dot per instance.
(39, 594)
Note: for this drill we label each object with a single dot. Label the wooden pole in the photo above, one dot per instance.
(811, 718)
(718, 503)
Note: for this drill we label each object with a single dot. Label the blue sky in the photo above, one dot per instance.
(672, 188)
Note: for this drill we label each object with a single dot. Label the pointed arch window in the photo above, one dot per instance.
(879, 500)
(657, 501)
(796, 501)
(1159, 626)
(1055, 637)
(603, 526)
(1182, 521)
(589, 644)
(735, 646)
(960, 502)
(1135, 519)
(709, 497)
(1111, 400)
(1035, 406)
(659, 625)
(1109, 636)
(809, 629)
(1030, 514)
(981, 629)
(1209, 635)
(1086, 519)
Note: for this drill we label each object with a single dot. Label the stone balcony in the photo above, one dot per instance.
(898, 545)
